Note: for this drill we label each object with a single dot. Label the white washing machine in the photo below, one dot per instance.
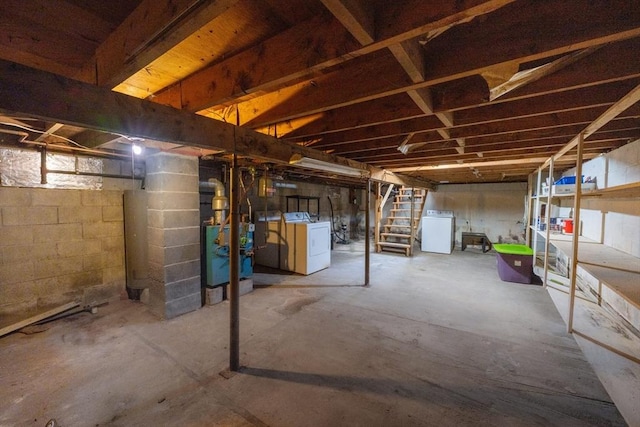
(306, 246)
(267, 238)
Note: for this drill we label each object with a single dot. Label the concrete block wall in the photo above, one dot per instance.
(174, 234)
(494, 209)
(122, 168)
(58, 246)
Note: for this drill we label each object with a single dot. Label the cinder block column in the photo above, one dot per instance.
(174, 234)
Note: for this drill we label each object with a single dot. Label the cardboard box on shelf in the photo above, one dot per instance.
(571, 188)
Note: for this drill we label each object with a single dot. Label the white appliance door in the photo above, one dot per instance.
(437, 235)
(318, 246)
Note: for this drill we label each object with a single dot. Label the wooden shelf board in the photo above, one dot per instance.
(561, 237)
(595, 322)
(618, 191)
(624, 283)
(600, 255)
(618, 270)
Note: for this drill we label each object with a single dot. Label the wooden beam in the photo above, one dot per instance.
(446, 160)
(510, 162)
(407, 19)
(346, 119)
(594, 71)
(474, 52)
(33, 93)
(579, 79)
(625, 102)
(525, 77)
(422, 98)
(426, 149)
(410, 55)
(38, 317)
(28, 92)
(32, 34)
(499, 127)
(356, 86)
(306, 50)
(582, 25)
(50, 130)
(310, 46)
(153, 28)
(94, 139)
(577, 99)
(390, 158)
(384, 175)
(357, 16)
(559, 134)
(404, 146)
(382, 110)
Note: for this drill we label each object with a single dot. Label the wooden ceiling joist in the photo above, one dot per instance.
(588, 75)
(406, 83)
(614, 111)
(394, 160)
(426, 124)
(347, 86)
(153, 28)
(308, 47)
(304, 50)
(526, 77)
(357, 16)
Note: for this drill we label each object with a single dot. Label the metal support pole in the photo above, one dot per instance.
(234, 267)
(576, 234)
(367, 239)
(43, 165)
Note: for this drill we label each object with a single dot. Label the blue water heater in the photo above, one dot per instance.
(217, 253)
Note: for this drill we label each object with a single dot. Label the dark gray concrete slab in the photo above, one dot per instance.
(435, 340)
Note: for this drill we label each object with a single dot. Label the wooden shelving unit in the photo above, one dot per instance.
(597, 277)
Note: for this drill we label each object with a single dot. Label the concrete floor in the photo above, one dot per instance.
(435, 340)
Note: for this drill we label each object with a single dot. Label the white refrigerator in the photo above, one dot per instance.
(438, 232)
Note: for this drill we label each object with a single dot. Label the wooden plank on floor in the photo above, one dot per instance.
(38, 317)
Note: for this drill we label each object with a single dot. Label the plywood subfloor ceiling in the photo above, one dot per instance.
(446, 91)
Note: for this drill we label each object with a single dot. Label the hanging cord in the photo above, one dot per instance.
(266, 206)
(342, 239)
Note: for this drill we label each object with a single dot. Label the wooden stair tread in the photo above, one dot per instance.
(405, 218)
(394, 244)
(399, 235)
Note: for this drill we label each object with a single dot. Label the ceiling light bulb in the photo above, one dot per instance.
(137, 150)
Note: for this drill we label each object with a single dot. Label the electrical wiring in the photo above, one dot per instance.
(30, 129)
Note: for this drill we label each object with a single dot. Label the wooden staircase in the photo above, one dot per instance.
(399, 230)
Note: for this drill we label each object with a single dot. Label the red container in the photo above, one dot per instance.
(568, 225)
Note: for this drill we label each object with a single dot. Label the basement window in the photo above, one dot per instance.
(23, 168)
